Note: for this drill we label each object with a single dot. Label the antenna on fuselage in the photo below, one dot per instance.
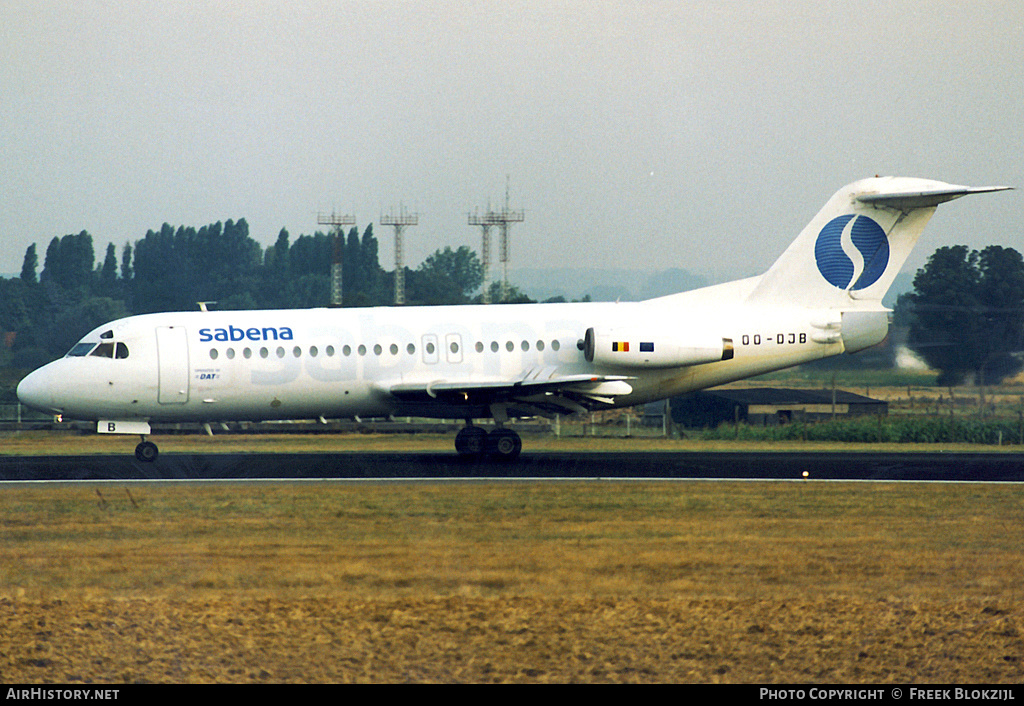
(202, 305)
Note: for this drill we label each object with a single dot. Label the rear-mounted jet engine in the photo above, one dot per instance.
(631, 348)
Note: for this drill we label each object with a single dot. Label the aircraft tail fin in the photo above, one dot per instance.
(850, 253)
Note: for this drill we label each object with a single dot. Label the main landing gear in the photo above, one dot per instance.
(473, 441)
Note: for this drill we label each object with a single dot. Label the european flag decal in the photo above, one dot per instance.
(647, 346)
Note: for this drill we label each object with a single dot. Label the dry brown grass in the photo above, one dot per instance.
(490, 581)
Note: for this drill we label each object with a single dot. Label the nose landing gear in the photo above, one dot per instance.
(146, 451)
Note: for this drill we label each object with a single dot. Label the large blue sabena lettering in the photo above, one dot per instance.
(267, 333)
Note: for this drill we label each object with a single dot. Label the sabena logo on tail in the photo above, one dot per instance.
(852, 252)
(848, 255)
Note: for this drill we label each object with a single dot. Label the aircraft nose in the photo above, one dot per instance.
(35, 391)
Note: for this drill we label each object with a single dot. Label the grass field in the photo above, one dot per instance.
(41, 443)
(517, 581)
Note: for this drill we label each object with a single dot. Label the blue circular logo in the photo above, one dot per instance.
(852, 252)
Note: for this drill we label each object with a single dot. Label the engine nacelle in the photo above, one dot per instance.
(645, 349)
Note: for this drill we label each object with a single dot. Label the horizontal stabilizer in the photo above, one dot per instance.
(908, 200)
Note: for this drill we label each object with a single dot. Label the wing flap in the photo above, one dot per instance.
(535, 386)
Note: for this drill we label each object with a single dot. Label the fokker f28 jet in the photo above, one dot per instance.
(822, 297)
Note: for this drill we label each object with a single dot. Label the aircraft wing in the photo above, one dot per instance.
(541, 391)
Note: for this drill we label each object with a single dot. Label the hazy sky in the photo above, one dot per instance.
(639, 135)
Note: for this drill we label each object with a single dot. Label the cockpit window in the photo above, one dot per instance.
(107, 334)
(80, 349)
(104, 350)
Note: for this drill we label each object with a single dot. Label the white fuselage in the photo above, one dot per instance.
(299, 364)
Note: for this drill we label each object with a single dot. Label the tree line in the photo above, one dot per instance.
(965, 315)
(43, 312)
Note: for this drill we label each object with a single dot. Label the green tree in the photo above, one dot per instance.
(126, 264)
(372, 283)
(75, 321)
(29, 266)
(513, 295)
(108, 285)
(277, 273)
(966, 313)
(445, 277)
(69, 263)
(351, 272)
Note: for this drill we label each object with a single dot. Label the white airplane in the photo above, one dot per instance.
(820, 298)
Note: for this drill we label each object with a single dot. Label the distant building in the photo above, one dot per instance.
(765, 406)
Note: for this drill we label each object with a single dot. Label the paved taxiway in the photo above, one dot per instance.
(938, 466)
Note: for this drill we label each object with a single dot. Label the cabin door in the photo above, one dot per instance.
(172, 363)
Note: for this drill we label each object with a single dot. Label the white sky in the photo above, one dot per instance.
(638, 135)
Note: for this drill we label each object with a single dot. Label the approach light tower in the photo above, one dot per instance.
(337, 223)
(485, 222)
(503, 219)
(399, 222)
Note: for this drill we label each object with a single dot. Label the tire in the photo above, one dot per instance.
(146, 452)
(504, 444)
(471, 441)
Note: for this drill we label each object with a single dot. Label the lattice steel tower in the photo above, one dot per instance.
(399, 222)
(337, 223)
(485, 224)
(503, 219)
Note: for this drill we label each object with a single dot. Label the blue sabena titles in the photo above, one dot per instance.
(252, 333)
(839, 266)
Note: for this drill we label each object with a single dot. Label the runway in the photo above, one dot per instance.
(937, 466)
